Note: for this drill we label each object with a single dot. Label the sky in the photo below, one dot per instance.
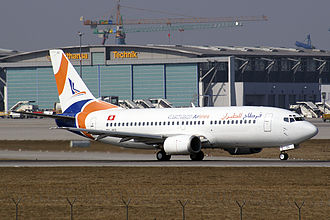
(44, 24)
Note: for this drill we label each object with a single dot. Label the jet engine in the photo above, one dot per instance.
(241, 151)
(182, 144)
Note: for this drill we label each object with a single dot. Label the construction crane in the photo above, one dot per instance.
(120, 27)
(307, 44)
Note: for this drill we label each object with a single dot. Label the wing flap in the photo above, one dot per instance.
(125, 136)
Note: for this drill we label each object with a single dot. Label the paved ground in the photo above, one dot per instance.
(33, 129)
(38, 129)
(95, 159)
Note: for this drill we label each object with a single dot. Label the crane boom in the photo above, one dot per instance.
(119, 27)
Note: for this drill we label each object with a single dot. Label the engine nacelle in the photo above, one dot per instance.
(182, 144)
(241, 151)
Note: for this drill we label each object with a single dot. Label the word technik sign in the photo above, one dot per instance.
(124, 54)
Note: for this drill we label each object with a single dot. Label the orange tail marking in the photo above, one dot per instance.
(92, 107)
(60, 76)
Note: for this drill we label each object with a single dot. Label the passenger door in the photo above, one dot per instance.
(268, 122)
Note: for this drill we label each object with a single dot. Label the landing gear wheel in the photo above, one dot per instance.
(161, 155)
(197, 157)
(284, 156)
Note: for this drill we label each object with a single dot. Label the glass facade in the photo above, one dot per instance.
(176, 82)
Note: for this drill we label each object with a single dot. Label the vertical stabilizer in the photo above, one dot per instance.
(72, 91)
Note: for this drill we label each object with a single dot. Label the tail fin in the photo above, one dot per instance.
(72, 91)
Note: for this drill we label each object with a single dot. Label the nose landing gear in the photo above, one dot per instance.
(284, 156)
(283, 149)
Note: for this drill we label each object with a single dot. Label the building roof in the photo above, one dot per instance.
(248, 51)
(185, 50)
(7, 52)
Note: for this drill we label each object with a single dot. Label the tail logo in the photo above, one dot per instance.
(75, 92)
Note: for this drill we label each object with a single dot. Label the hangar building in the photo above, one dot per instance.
(202, 75)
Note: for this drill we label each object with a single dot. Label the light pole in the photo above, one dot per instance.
(80, 34)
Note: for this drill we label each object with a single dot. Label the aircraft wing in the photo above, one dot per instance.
(125, 136)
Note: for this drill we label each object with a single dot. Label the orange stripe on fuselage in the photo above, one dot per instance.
(60, 76)
(89, 108)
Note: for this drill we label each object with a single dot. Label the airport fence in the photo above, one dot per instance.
(72, 208)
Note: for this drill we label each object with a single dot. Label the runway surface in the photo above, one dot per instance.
(100, 159)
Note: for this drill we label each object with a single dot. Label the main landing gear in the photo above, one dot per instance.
(284, 156)
(197, 157)
(162, 156)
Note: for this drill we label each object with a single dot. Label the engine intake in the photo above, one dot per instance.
(182, 144)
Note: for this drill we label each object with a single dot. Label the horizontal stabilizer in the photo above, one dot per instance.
(46, 115)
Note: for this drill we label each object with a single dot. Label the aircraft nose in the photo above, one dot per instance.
(311, 130)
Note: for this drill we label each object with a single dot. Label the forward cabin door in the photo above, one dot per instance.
(268, 122)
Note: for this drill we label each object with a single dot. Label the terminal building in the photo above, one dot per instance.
(184, 75)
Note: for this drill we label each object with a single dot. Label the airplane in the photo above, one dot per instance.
(174, 131)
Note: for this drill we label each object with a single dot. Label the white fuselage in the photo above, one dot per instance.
(221, 126)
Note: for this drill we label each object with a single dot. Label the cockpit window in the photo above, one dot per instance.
(298, 118)
(293, 118)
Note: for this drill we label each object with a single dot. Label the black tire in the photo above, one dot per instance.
(284, 156)
(161, 156)
(197, 157)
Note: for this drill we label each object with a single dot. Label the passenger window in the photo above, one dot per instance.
(164, 123)
(202, 122)
(241, 121)
(131, 123)
(194, 122)
(215, 122)
(245, 121)
(139, 123)
(187, 122)
(114, 124)
(211, 122)
(219, 122)
(199, 122)
(236, 121)
(172, 122)
(110, 124)
(177, 123)
(228, 122)
(249, 121)
(127, 124)
(232, 121)
(168, 123)
(254, 121)
(182, 123)
(107, 125)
